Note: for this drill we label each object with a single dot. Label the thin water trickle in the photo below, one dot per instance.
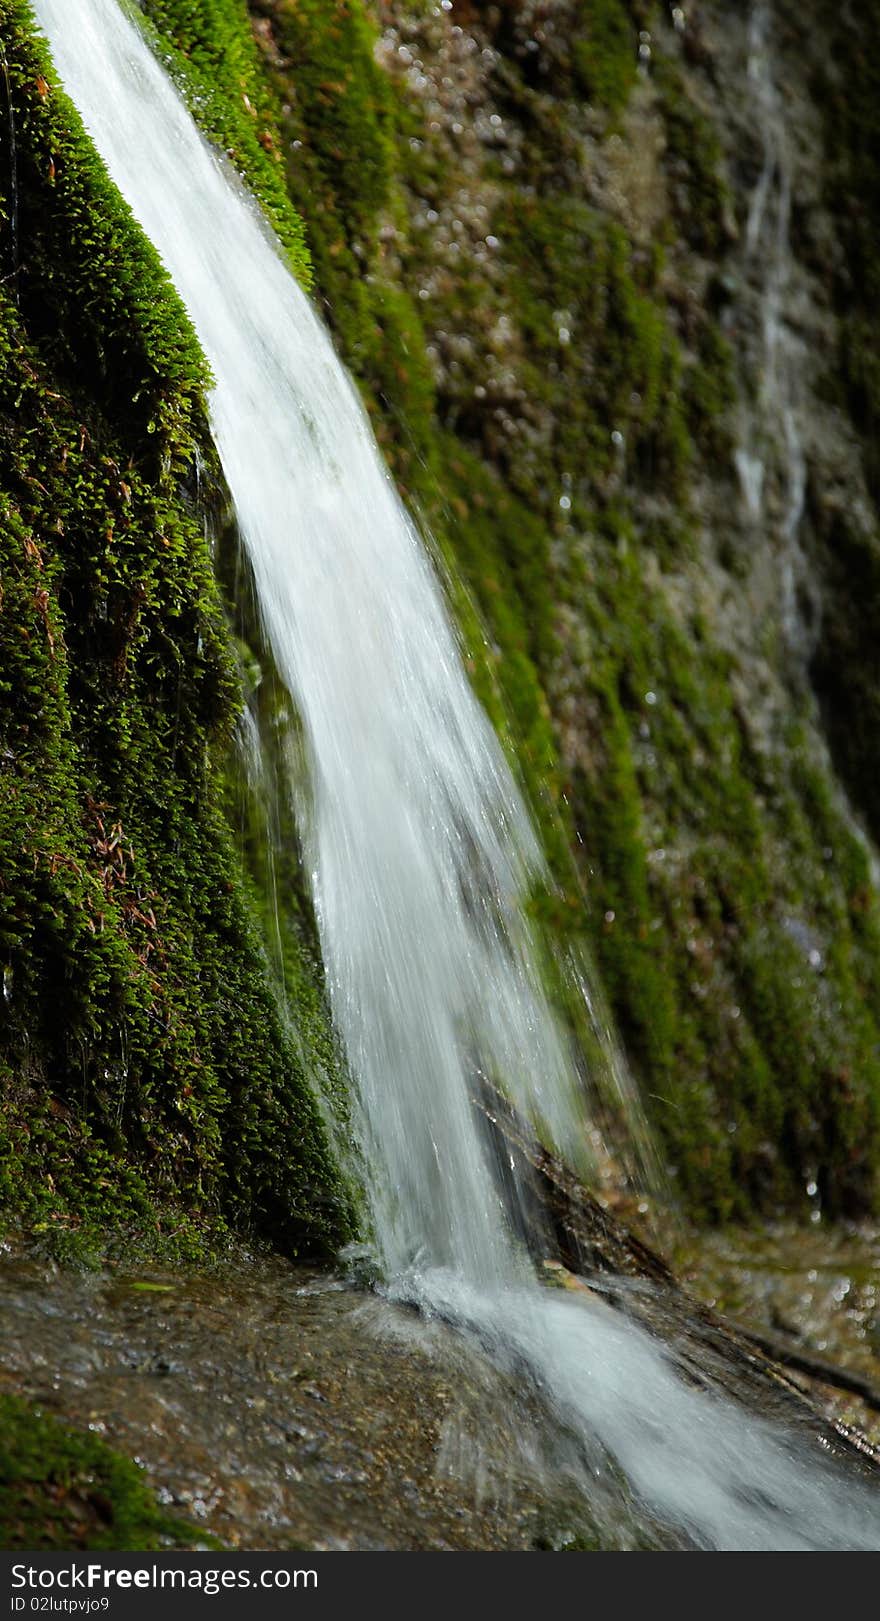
(771, 438)
(419, 844)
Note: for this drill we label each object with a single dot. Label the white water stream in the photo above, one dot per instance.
(419, 846)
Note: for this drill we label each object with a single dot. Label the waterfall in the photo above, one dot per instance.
(418, 844)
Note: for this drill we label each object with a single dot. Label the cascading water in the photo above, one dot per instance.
(419, 845)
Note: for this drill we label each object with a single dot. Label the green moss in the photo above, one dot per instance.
(265, 764)
(149, 1080)
(335, 139)
(619, 370)
(709, 391)
(700, 196)
(63, 1490)
(725, 929)
(587, 49)
(208, 47)
(604, 52)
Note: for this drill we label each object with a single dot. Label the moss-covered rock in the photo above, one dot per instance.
(149, 1082)
(209, 50)
(63, 1490)
(550, 229)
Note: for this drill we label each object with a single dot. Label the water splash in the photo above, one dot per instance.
(418, 842)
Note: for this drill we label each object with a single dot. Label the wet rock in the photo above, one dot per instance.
(400, 1435)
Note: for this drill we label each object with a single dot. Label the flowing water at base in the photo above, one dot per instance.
(419, 847)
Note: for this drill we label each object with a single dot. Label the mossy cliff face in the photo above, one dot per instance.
(526, 225)
(150, 1086)
(541, 285)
